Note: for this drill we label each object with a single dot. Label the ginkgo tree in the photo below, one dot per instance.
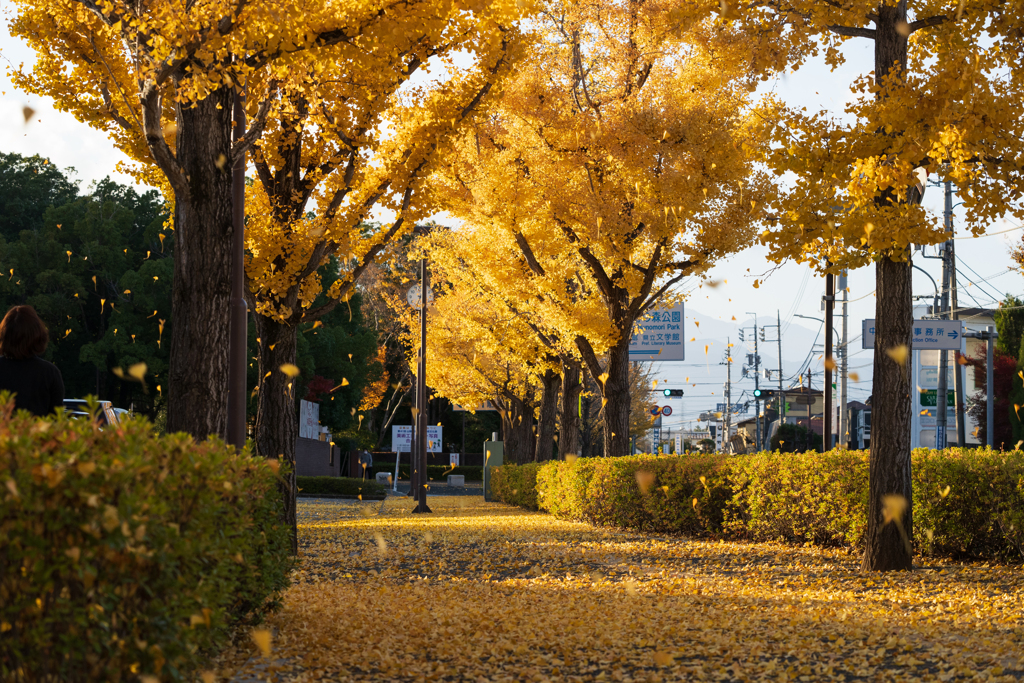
(942, 102)
(485, 344)
(620, 160)
(342, 145)
(480, 350)
(160, 77)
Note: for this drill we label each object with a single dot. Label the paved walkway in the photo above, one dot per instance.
(484, 592)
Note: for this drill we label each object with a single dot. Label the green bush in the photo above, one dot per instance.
(437, 473)
(799, 497)
(810, 497)
(516, 484)
(340, 486)
(124, 553)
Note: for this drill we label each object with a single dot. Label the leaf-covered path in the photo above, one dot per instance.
(485, 592)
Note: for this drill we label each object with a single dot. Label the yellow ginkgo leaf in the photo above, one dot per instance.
(603, 377)
(262, 638)
(138, 370)
(854, 376)
(289, 369)
(898, 354)
(830, 364)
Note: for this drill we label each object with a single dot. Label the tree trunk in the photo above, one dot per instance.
(569, 416)
(889, 543)
(615, 391)
(548, 416)
(198, 381)
(277, 424)
(517, 431)
(886, 544)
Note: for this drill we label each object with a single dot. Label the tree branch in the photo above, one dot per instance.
(929, 22)
(259, 123)
(531, 260)
(853, 31)
(158, 147)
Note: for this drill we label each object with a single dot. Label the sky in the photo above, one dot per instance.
(790, 289)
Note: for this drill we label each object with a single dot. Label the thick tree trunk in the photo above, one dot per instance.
(887, 540)
(615, 391)
(198, 381)
(548, 416)
(277, 424)
(517, 431)
(569, 416)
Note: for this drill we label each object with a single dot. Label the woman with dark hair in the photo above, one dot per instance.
(36, 383)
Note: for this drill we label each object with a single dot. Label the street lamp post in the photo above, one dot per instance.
(237, 335)
(420, 482)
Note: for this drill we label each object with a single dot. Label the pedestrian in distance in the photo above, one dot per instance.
(36, 384)
(366, 462)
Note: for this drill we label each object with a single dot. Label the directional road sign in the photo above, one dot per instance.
(658, 336)
(928, 335)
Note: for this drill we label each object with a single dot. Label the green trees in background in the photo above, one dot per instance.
(97, 267)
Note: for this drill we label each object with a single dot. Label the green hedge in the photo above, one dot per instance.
(124, 553)
(516, 484)
(340, 486)
(435, 472)
(818, 498)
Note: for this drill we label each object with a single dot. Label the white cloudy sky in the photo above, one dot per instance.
(790, 289)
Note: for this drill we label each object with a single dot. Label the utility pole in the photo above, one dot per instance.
(781, 395)
(728, 392)
(941, 401)
(949, 284)
(757, 394)
(782, 392)
(810, 404)
(844, 428)
(826, 424)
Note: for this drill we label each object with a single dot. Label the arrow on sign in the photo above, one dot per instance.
(953, 333)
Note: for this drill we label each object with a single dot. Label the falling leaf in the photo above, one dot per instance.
(944, 492)
(220, 162)
(663, 659)
(27, 112)
(289, 369)
(261, 637)
(830, 364)
(898, 354)
(854, 376)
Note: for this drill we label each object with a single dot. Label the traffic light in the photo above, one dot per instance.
(757, 393)
(673, 393)
(764, 394)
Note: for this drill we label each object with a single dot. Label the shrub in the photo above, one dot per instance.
(799, 497)
(340, 486)
(124, 553)
(516, 484)
(810, 497)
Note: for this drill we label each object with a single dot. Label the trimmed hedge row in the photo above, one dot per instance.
(124, 553)
(435, 472)
(340, 486)
(516, 484)
(967, 502)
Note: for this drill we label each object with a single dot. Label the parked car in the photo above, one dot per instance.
(79, 408)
